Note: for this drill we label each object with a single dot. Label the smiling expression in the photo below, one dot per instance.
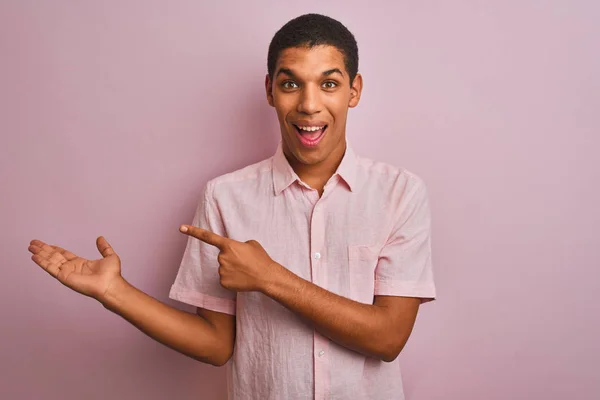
(311, 93)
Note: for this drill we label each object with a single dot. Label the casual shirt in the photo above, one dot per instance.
(369, 234)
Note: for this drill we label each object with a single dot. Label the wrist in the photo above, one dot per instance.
(273, 278)
(113, 295)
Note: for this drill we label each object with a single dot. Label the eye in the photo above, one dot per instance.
(329, 85)
(289, 85)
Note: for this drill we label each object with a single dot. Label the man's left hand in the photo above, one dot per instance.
(243, 266)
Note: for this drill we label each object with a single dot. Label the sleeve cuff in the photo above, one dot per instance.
(395, 288)
(211, 303)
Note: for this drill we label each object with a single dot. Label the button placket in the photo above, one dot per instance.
(319, 277)
(317, 240)
(321, 360)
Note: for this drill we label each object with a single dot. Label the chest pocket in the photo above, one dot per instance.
(362, 262)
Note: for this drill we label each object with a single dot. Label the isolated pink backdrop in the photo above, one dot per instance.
(114, 114)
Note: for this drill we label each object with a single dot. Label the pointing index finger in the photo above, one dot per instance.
(204, 235)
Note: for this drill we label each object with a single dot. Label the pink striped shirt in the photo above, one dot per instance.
(367, 235)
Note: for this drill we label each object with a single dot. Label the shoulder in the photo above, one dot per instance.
(248, 176)
(389, 178)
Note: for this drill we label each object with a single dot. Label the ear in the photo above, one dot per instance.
(355, 91)
(269, 90)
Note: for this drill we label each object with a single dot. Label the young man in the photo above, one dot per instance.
(308, 268)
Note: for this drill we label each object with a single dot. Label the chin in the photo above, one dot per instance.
(311, 158)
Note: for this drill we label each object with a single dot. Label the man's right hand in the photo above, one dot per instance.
(90, 277)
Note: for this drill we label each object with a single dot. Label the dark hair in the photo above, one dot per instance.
(313, 30)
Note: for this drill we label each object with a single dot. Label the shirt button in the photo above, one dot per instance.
(317, 256)
(321, 353)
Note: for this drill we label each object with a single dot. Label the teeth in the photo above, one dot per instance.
(311, 128)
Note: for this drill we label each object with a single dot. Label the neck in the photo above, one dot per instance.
(317, 175)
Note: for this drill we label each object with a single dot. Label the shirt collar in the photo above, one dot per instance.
(284, 175)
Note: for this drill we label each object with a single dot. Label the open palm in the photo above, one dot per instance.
(89, 277)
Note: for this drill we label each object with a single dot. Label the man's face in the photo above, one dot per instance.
(311, 93)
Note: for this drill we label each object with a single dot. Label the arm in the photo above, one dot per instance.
(403, 279)
(207, 337)
(379, 330)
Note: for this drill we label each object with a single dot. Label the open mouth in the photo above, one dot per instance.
(310, 136)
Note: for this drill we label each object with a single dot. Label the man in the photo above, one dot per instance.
(308, 268)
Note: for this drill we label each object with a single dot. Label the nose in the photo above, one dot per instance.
(310, 100)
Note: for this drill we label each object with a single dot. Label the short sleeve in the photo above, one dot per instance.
(404, 267)
(197, 282)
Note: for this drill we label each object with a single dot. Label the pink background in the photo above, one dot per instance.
(114, 114)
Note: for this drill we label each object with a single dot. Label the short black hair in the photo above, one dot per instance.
(311, 30)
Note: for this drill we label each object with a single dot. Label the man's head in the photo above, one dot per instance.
(312, 30)
(312, 80)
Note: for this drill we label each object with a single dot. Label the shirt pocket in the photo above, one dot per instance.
(362, 262)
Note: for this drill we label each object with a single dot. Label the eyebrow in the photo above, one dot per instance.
(290, 73)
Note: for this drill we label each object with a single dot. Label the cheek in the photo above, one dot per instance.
(280, 113)
(338, 105)
(283, 107)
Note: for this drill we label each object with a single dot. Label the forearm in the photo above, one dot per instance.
(186, 333)
(357, 326)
